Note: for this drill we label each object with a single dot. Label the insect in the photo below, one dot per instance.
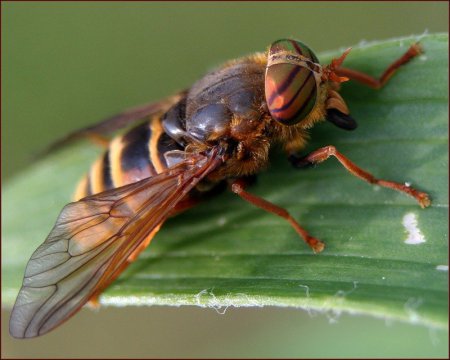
(181, 150)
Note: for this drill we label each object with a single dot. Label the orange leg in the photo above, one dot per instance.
(324, 153)
(98, 139)
(238, 187)
(185, 204)
(375, 83)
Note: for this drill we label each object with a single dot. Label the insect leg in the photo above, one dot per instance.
(373, 82)
(184, 205)
(324, 153)
(238, 187)
(98, 139)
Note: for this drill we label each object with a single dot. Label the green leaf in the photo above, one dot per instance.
(225, 252)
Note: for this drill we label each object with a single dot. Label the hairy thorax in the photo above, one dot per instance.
(227, 107)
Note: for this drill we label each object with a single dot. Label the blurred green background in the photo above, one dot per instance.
(66, 65)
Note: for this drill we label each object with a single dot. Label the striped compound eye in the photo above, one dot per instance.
(290, 83)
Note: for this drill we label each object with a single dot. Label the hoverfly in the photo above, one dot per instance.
(217, 132)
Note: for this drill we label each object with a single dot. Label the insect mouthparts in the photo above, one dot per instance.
(341, 120)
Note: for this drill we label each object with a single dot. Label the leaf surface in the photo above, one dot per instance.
(225, 252)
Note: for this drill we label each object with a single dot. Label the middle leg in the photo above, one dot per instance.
(324, 153)
(238, 187)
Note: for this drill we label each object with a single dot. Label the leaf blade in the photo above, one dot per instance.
(225, 253)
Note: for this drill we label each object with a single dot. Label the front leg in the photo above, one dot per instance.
(324, 153)
(373, 82)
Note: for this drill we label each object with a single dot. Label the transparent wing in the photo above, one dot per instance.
(118, 121)
(91, 241)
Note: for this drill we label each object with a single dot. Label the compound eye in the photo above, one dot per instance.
(290, 88)
(295, 47)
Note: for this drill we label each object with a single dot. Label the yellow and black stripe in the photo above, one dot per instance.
(133, 156)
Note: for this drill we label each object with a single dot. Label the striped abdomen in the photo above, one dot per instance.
(131, 157)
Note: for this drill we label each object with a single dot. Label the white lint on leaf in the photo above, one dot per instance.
(415, 236)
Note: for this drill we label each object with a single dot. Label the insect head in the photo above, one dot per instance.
(295, 84)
